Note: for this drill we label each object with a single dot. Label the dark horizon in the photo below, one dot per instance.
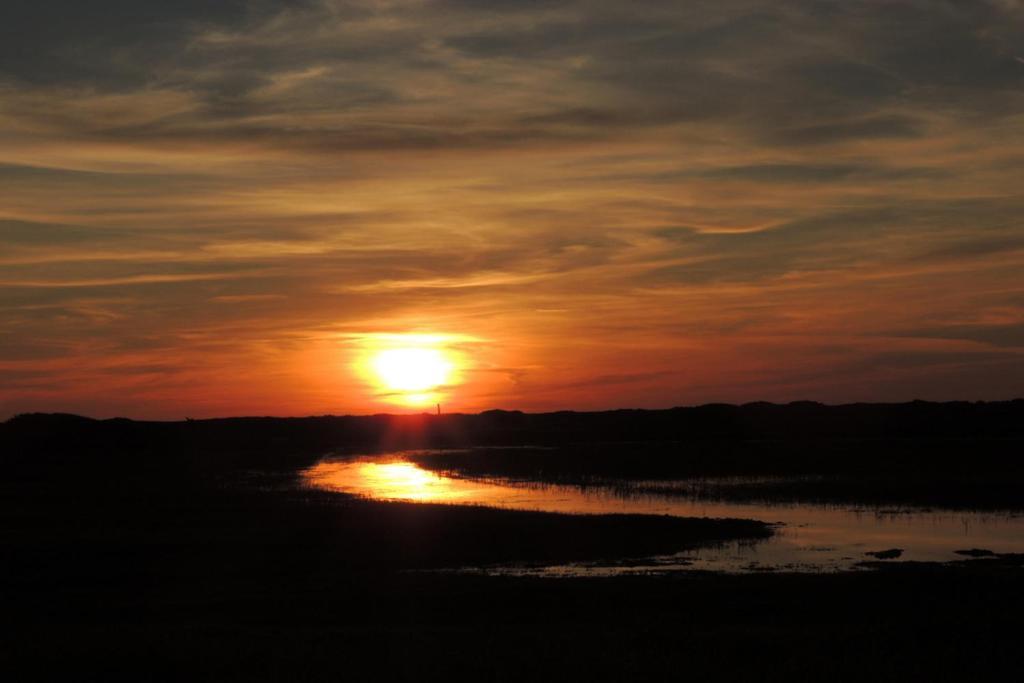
(428, 413)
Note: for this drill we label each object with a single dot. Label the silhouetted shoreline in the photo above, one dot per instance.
(187, 550)
(802, 420)
(957, 455)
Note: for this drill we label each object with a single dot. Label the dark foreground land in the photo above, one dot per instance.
(183, 551)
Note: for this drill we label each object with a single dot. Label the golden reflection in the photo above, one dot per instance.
(389, 481)
(412, 369)
(811, 536)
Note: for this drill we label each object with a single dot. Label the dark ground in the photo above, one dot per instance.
(179, 551)
(954, 473)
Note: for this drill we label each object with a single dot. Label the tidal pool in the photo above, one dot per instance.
(813, 538)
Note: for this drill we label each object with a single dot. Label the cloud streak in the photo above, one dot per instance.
(731, 200)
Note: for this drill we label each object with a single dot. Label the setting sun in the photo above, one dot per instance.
(412, 369)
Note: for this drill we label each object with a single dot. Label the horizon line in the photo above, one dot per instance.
(429, 414)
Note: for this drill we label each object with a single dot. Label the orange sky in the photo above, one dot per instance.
(209, 211)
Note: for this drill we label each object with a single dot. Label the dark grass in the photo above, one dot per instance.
(920, 623)
(179, 552)
(956, 473)
(927, 489)
(650, 459)
(280, 527)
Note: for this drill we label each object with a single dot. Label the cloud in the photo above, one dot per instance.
(608, 188)
(1001, 336)
(112, 43)
(350, 75)
(872, 127)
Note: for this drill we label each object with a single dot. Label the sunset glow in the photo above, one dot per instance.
(411, 369)
(214, 208)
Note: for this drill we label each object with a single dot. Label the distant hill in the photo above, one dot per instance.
(753, 421)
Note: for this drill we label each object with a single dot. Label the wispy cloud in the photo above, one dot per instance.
(726, 200)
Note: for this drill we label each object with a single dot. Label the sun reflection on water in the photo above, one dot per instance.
(811, 538)
(391, 481)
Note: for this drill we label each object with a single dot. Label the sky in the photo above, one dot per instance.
(220, 208)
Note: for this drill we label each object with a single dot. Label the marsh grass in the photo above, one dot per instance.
(183, 551)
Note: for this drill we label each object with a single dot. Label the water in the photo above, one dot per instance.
(808, 537)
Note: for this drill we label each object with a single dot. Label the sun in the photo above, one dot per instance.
(412, 370)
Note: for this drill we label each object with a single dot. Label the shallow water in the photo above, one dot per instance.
(807, 537)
